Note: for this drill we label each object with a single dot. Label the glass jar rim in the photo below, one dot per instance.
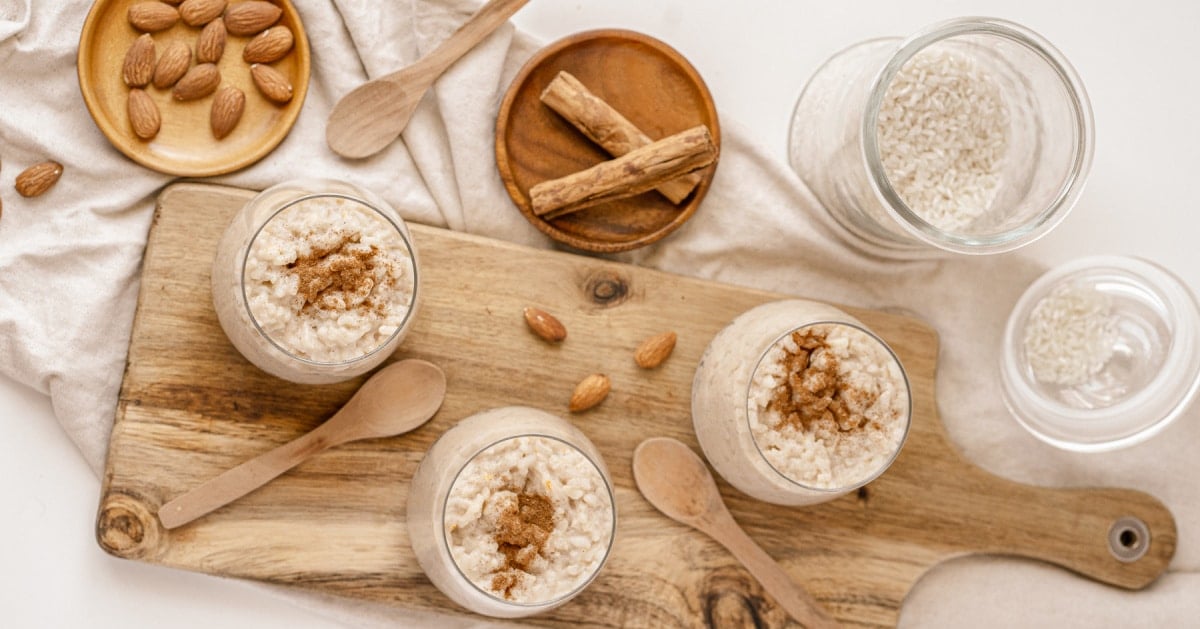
(907, 415)
(1069, 191)
(1050, 420)
(404, 238)
(612, 533)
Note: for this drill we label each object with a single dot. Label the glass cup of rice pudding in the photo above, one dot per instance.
(796, 402)
(316, 281)
(511, 512)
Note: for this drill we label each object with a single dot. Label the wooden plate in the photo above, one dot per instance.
(650, 84)
(185, 145)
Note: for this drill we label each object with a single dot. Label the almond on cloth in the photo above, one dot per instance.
(248, 18)
(138, 68)
(211, 44)
(271, 83)
(653, 351)
(589, 392)
(37, 179)
(227, 107)
(270, 45)
(200, 12)
(199, 82)
(545, 325)
(143, 114)
(172, 64)
(151, 17)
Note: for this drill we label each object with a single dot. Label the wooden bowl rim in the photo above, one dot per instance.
(125, 142)
(522, 200)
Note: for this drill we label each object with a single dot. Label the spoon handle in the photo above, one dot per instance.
(791, 596)
(488, 18)
(243, 479)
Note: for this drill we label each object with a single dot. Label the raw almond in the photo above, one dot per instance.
(200, 81)
(248, 18)
(143, 114)
(271, 83)
(152, 17)
(211, 45)
(139, 62)
(200, 12)
(654, 350)
(589, 392)
(227, 107)
(39, 178)
(545, 325)
(172, 64)
(270, 45)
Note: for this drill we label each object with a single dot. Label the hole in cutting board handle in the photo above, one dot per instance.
(1128, 539)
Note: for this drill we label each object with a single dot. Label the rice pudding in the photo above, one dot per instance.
(796, 402)
(315, 283)
(511, 512)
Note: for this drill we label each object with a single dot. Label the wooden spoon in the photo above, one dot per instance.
(397, 399)
(678, 483)
(372, 115)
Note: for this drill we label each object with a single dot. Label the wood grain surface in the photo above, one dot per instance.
(185, 145)
(191, 407)
(645, 80)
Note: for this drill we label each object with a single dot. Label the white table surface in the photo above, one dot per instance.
(1138, 60)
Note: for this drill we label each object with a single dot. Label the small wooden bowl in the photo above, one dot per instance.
(650, 84)
(185, 144)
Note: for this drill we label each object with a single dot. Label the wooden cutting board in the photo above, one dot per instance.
(191, 406)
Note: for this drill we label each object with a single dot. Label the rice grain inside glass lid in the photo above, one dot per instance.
(1101, 353)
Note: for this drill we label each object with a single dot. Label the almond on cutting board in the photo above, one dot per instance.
(655, 350)
(172, 64)
(138, 68)
(248, 18)
(271, 82)
(200, 12)
(211, 44)
(199, 82)
(37, 179)
(545, 325)
(151, 17)
(143, 114)
(269, 46)
(589, 392)
(227, 107)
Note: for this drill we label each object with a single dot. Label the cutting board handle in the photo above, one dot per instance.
(1121, 537)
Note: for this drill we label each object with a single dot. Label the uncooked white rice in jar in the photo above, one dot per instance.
(828, 406)
(943, 133)
(329, 279)
(1070, 335)
(561, 551)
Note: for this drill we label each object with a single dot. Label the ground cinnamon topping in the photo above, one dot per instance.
(814, 391)
(338, 276)
(521, 534)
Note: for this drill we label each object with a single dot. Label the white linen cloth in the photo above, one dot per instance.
(69, 265)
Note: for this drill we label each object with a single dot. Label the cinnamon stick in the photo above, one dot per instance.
(607, 127)
(633, 173)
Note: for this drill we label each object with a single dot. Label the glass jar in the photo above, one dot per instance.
(762, 390)
(316, 281)
(489, 484)
(1101, 353)
(983, 146)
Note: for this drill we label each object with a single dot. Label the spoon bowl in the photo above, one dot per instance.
(372, 115)
(677, 482)
(397, 399)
